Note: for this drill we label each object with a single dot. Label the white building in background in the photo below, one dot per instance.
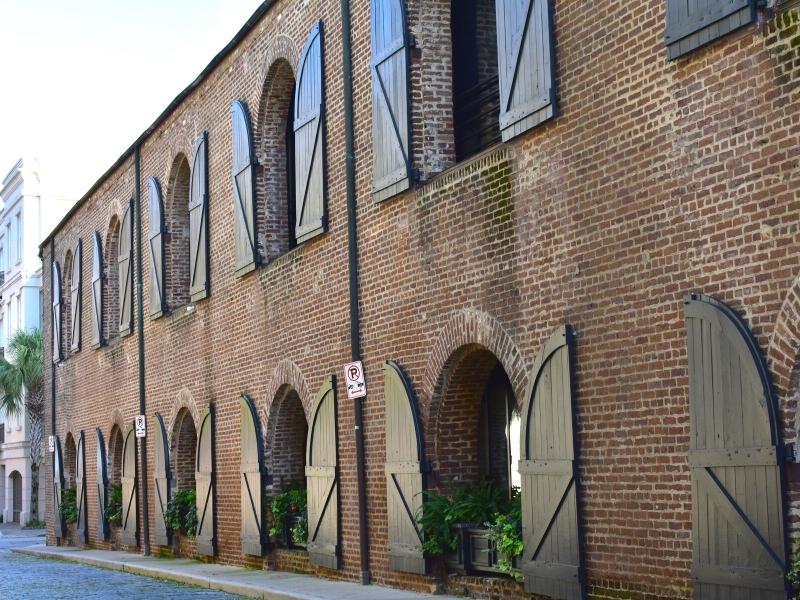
(26, 216)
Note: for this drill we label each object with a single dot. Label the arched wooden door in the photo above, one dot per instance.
(58, 488)
(205, 481)
(102, 486)
(737, 506)
(130, 512)
(162, 481)
(322, 479)
(551, 559)
(82, 524)
(253, 534)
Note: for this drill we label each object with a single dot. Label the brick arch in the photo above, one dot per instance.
(282, 47)
(114, 446)
(184, 400)
(286, 428)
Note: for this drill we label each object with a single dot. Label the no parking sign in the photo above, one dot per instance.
(354, 378)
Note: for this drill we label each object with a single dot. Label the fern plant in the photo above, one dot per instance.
(181, 513)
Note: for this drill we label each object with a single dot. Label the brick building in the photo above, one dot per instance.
(576, 269)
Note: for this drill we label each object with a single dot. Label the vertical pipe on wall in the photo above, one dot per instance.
(137, 186)
(52, 373)
(352, 256)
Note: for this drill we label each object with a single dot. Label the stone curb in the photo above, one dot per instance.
(223, 578)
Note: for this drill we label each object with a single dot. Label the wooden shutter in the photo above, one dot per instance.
(205, 481)
(253, 474)
(82, 524)
(130, 509)
(102, 486)
(58, 487)
(125, 271)
(551, 559)
(56, 291)
(97, 290)
(198, 221)
(322, 479)
(525, 53)
(391, 162)
(76, 297)
(692, 24)
(309, 140)
(156, 201)
(737, 522)
(162, 480)
(244, 231)
(404, 479)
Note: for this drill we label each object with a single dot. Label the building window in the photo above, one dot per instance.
(18, 225)
(476, 92)
(176, 235)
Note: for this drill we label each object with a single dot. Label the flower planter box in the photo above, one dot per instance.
(286, 537)
(476, 553)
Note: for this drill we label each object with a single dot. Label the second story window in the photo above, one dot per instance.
(18, 227)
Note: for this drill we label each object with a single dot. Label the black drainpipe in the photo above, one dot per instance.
(53, 370)
(352, 256)
(137, 193)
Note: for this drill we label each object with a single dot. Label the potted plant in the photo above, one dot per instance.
(181, 516)
(290, 518)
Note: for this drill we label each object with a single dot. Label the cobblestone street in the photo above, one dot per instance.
(28, 578)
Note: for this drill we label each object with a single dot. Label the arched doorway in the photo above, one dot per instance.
(181, 514)
(16, 496)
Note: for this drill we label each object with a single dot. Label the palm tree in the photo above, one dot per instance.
(22, 387)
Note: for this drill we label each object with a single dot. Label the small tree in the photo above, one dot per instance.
(21, 388)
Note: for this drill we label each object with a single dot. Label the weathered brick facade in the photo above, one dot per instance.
(657, 178)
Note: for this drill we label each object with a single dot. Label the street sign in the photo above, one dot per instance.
(354, 378)
(51, 443)
(140, 425)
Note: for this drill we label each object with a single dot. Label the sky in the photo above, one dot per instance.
(80, 80)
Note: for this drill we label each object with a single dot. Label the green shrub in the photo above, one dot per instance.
(113, 512)
(292, 502)
(181, 513)
(505, 531)
(793, 576)
(35, 524)
(69, 505)
(468, 504)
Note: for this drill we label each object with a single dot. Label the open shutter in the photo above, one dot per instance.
(198, 221)
(404, 480)
(97, 290)
(309, 140)
(205, 481)
(56, 312)
(156, 201)
(551, 559)
(253, 474)
(525, 53)
(82, 524)
(391, 162)
(243, 190)
(322, 479)
(692, 24)
(125, 271)
(737, 496)
(58, 487)
(162, 480)
(102, 486)
(130, 508)
(76, 297)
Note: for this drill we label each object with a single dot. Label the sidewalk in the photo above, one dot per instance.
(269, 585)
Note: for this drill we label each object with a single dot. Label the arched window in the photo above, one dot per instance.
(115, 444)
(66, 304)
(176, 234)
(286, 447)
(183, 452)
(275, 172)
(111, 281)
(476, 95)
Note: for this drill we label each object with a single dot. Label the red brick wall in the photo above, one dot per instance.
(657, 179)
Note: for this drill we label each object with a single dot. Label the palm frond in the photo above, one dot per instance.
(23, 371)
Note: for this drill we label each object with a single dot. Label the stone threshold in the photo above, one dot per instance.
(250, 583)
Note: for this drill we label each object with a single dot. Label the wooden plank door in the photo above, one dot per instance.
(253, 533)
(97, 290)
(156, 244)
(322, 479)
(244, 191)
(404, 471)
(205, 481)
(198, 221)
(737, 495)
(56, 311)
(125, 270)
(130, 507)
(82, 524)
(102, 486)
(551, 560)
(162, 481)
(76, 297)
(391, 133)
(58, 489)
